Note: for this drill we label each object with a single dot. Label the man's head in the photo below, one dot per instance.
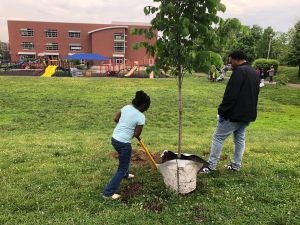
(237, 58)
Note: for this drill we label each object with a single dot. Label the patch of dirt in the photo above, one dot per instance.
(132, 190)
(154, 206)
(139, 157)
(205, 153)
(224, 157)
(197, 210)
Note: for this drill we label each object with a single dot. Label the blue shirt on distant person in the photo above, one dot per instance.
(130, 118)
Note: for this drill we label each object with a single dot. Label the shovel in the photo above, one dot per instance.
(147, 152)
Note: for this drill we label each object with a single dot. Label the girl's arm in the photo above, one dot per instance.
(138, 130)
(117, 117)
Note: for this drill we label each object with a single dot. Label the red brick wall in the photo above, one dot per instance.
(100, 42)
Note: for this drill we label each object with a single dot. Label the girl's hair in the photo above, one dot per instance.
(141, 98)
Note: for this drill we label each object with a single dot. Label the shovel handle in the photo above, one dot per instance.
(147, 152)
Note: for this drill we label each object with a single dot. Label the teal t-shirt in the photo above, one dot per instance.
(130, 117)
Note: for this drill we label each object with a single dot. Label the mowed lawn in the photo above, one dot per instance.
(55, 154)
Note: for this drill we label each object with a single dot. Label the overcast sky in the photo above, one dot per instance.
(280, 14)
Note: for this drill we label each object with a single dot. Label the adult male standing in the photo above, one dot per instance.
(237, 110)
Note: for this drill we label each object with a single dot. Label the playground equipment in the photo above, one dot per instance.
(131, 71)
(49, 71)
(179, 174)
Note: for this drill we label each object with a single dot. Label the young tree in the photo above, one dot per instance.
(180, 22)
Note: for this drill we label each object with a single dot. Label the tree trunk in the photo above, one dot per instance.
(179, 114)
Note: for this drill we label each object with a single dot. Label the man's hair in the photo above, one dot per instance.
(239, 55)
(141, 98)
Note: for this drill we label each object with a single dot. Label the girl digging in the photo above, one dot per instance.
(130, 121)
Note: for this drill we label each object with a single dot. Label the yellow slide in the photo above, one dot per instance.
(131, 71)
(49, 71)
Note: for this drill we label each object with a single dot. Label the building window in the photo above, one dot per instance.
(119, 60)
(27, 45)
(119, 47)
(74, 34)
(51, 33)
(75, 47)
(119, 37)
(51, 46)
(26, 32)
(119, 43)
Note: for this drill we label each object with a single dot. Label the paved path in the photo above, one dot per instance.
(293, 85)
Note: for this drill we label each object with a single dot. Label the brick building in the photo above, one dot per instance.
(29, 39)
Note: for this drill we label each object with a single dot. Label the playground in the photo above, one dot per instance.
(80, 65)
(56, 157)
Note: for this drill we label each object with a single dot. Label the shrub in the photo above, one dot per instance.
(282, 80)
(265, 64)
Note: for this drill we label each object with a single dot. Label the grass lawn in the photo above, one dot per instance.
(55, 154)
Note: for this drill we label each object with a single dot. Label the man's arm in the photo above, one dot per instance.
(117, 117)
(231, 93)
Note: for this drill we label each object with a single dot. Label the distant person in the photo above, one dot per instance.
(130, 121)
(271, 72)
(213, 73)
(237, 110)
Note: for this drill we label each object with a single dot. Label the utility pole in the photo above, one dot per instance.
(269, 47)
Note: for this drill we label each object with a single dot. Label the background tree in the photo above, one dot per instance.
(263, 44)
(181, 24)
(226, 32)
(294, 54)
(280, 47)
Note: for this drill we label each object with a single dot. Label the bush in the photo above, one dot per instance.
(290, 72)
(282, 80)
(265, 64)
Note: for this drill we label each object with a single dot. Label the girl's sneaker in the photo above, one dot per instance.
(130, 176)
(113, 197)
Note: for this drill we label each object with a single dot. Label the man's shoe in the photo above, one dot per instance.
(205, 170)
(231, 167)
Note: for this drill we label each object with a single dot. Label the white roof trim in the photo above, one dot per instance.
(26, 53)
(108, 28)
(51, 53)
(118, 55)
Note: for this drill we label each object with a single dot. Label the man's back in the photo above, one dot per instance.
(241, 95)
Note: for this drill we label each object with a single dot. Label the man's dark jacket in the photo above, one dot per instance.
(241, 95)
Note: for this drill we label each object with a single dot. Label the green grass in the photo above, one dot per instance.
(55, 154)
(290, 72)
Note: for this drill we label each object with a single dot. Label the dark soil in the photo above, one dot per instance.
(132, 190)
(197, 210)
(154, 206)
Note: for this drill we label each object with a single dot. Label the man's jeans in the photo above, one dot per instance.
(124, 150)
(223, 130)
